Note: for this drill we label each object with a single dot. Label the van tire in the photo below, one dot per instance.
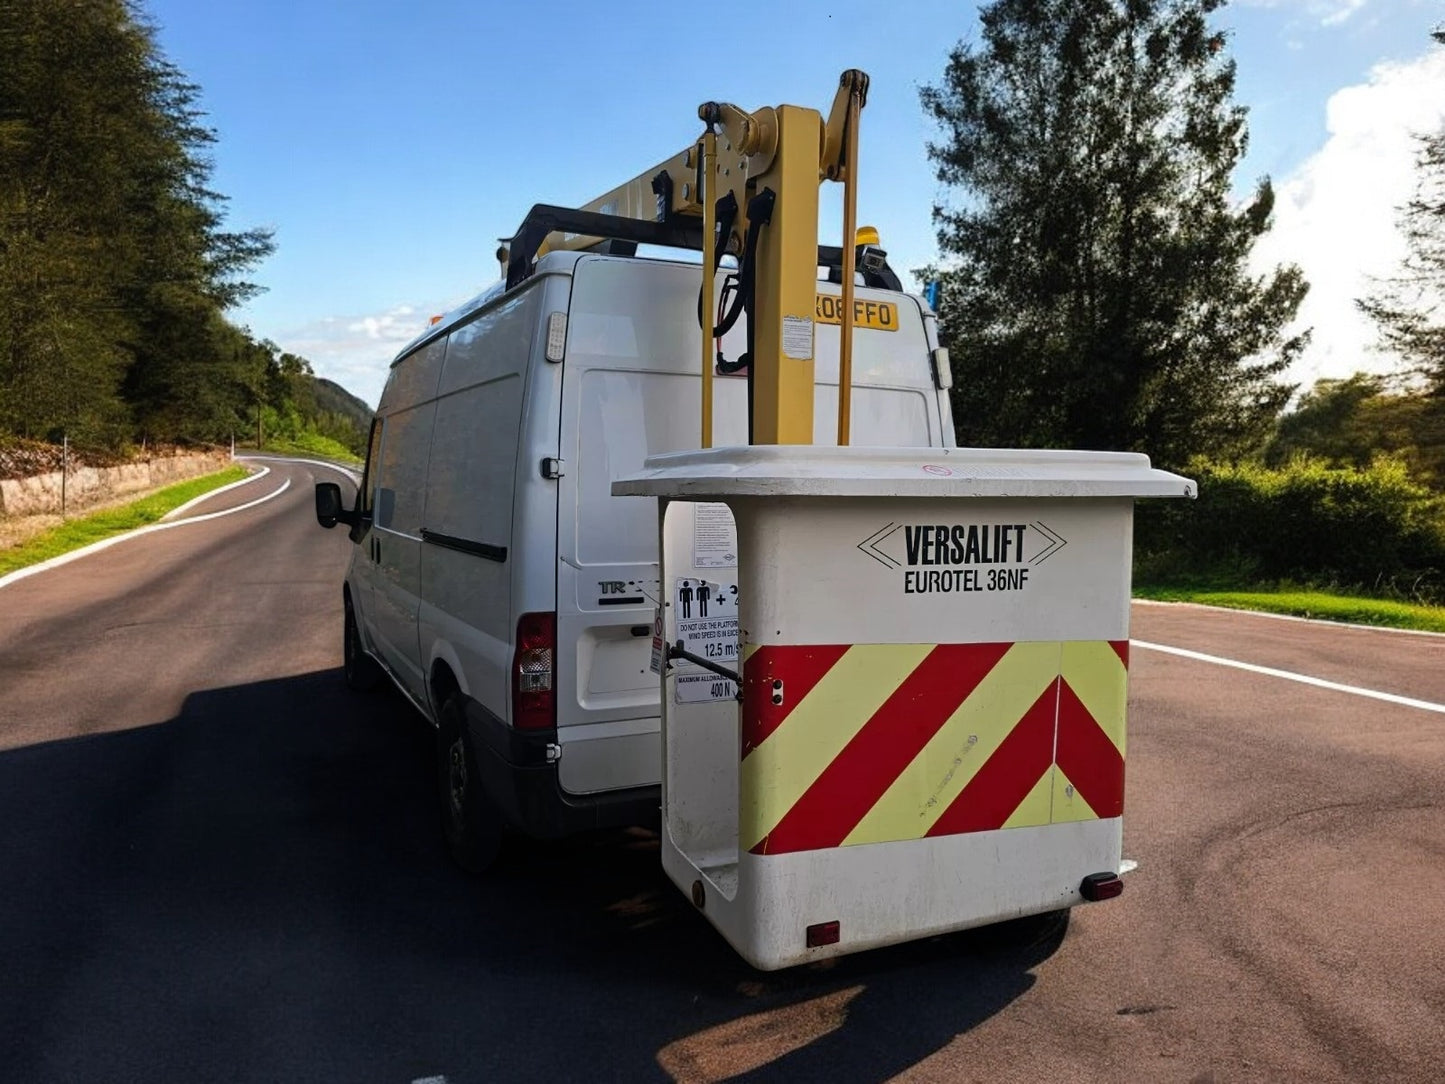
(361, 670)
(471, 822)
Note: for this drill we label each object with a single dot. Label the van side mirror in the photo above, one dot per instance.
(329, 511)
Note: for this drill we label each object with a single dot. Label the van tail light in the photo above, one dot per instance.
(534, 706)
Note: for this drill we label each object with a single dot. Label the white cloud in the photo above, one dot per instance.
(1327, 12)
(1336, 214)
(356, 351)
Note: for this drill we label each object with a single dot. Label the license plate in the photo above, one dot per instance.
(876, 315)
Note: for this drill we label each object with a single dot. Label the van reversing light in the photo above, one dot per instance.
(533, 704)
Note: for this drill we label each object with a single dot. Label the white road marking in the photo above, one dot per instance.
(1291, 617)
(1287, 675)
(314, 462)
(175, 513)
(106, 543)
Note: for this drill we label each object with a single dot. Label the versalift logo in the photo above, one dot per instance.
(944, 558)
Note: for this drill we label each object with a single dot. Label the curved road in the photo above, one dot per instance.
(216, 864)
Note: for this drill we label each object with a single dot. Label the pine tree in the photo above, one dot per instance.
(114, 266)
(1409, 309)
(1095, 292)
(68, 86)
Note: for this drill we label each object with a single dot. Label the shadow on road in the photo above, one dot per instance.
(256, 890)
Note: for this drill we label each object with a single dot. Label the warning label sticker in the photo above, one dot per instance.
(707, 625)
(701, 688)
(798, 337)
(657, 653)
(714, 538)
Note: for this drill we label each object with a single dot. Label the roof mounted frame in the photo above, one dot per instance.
(678, 231)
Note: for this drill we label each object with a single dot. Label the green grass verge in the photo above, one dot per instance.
(1388, 613)
(312, 445)
(92, 528)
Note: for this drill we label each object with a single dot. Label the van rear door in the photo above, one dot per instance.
(630, 389)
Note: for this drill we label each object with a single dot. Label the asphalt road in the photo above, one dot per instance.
(216, 864)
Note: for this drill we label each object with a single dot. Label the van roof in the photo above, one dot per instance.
(553, 263)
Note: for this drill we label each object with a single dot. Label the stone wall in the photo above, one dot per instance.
(87, 486)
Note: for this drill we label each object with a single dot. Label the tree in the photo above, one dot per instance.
(1353, 422)
(114, 266)
(1409, 309)
(178, 376)
(1098, 294)
(70, 79)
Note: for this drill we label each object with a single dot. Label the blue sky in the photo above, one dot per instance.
(389, 145)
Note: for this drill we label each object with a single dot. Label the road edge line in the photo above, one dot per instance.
(106, 543)
(176, 511)
(356, 478)
(1289, 675)
(1289, 617)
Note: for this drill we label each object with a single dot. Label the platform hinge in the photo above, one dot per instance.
(554, 752)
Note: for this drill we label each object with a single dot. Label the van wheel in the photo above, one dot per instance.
(471, 823)
(362, 672)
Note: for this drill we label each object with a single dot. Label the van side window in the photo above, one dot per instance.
(401, 481)
(478, 424)
(368, 473)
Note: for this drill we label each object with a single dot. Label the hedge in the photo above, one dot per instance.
(1369, 527)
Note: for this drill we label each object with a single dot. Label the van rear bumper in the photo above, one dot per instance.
(525, 787)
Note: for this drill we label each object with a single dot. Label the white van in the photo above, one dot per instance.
(497, 581)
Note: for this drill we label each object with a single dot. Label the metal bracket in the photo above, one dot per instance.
(676, 651)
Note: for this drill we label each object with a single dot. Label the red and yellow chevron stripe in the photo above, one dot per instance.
(870, 743)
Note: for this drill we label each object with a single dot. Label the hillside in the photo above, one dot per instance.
(332, 398)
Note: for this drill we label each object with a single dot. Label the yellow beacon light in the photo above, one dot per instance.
(866, 235)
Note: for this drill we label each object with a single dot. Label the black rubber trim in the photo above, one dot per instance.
(525, 787)
(678, 231)
(464, 545)
(544, 218)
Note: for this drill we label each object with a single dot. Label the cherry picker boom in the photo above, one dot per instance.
(748, 186)
(914, 723)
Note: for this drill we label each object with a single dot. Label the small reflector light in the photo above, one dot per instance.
(1101, 886)
(942, 368)
(556, 336)
(823, 933)
(434, 320)
(866, 235)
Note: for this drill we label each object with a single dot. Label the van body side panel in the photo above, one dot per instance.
(361, 575)
(533, 558)
(945, 400)
(408, 413)
(470, 539)
(631, 389)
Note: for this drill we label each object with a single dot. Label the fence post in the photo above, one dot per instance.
(64, 467)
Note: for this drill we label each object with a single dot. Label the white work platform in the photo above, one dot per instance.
(933, 651)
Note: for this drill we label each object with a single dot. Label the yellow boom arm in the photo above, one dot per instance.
(770, 162)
